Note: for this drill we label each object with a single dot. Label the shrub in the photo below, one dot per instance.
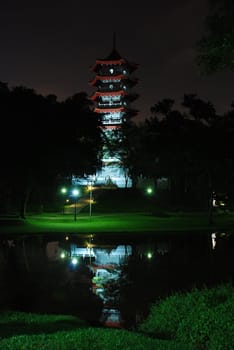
(89, 339)
(203, 318)
(212, 329)
(166, 315)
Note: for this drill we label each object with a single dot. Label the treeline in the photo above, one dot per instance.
(44, 141)
(191, 146)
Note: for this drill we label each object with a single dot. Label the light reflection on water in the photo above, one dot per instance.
(109, 271)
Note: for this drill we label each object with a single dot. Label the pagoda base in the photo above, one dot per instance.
(113, 175)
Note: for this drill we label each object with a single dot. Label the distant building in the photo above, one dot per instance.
(113, 98)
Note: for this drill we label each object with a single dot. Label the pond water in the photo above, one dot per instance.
(108, 279)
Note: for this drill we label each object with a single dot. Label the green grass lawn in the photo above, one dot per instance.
(120, 222)
(122, 211)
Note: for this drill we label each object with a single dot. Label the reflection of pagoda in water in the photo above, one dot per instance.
(112, 100)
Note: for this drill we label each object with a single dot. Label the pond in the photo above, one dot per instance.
(108, 279)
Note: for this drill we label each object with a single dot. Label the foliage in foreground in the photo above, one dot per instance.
(17, 323)
(203, 318)
(200, 319)
(88, 339)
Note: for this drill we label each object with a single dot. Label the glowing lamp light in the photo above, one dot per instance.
(74, 261)
(64, 190)
(149, 190)
(149, 255)
(62, 255)
(75, 193)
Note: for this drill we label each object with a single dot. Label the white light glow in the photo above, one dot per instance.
(74, 261)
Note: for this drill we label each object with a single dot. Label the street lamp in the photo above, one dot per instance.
(90, 198)
(89, 246)
(149, 190)
(75, 193)
(63, 191)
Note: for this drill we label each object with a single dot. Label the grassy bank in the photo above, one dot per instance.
(200, 319)
(46, 332)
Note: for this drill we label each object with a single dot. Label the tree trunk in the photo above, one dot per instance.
(24, 203)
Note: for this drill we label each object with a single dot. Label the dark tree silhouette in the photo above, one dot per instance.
(215, 50)
(43, 139)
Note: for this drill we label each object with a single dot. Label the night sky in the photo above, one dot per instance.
(50, 46)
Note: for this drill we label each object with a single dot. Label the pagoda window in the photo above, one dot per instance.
(111, 80)
(113, 116)
(111, 119)
(111, 86)
(113, 98)
(107, 80)
(105, 98)
(111, 70)
(124, 72)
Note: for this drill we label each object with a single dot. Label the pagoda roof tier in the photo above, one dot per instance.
(131, 66)
(114, 58)
(109, 62)
(109, 110)
(108, 93)
(112, 78)
(114, 55)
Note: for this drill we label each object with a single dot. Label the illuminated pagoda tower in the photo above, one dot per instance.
(113, 97)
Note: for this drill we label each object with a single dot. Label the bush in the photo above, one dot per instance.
(89, 339)
(203, 318)
(166, 315)
(212, 329)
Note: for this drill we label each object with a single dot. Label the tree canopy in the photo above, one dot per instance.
(43, 139)
(191, 147)
(216, 47)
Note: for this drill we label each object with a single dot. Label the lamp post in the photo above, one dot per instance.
(63, 191)
(90, 198)
(75, 193)
(89, 246)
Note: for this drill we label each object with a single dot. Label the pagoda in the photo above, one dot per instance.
(112, 99)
